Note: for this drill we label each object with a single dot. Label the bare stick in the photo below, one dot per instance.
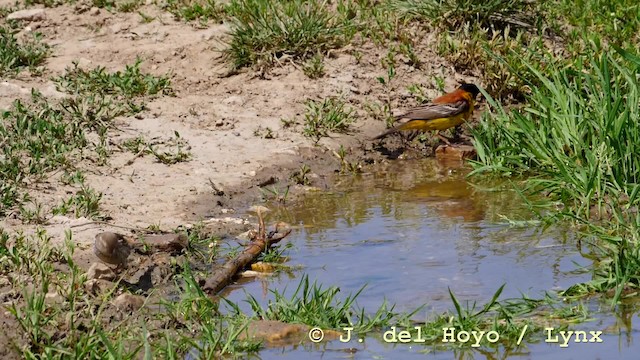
(221, 277)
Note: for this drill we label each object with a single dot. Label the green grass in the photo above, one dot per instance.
(8, 9)
(191, 323)
(46, 3)
(501, 57)
(275, 254)
(40, 135)
(507, 318)
(314, 67)
(173, 151)
(300, 176)
(312, 305)
(328, 115)
(195, 323)
(201, 10)
(453, 14)
(275, 194)
(573, 139)
(346, 166)
(35, 138)
(125, 6)
(125, 84)
(129, 6)
(617, 21)
(576, 142)
(85, 203)
(266, 32)
(17, 55)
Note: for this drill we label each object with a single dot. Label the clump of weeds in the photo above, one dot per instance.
(168, 156)
(40, 135)
(576, 138)
(301, 176)
(17, 55)
(328, 115)
(201, 10)
(314, 67)
(126, 84)
(346, 166)
(267, 32)
(264, 132)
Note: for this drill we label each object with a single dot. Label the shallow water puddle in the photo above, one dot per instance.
(412, 232)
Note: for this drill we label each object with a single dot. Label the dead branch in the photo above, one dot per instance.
(260, 242)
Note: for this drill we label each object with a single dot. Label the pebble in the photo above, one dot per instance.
(101, 272)
(98, 286)
(28, 15)
(128, 302)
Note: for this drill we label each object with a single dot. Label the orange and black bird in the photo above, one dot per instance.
(442, 113)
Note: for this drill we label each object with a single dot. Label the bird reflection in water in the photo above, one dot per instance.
(452, 198)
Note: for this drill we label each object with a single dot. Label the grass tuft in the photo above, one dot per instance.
(265, 32)
(126, 84)
(330, 115)
(39, 136)
(201, 10)
(312, 305)
(15, 55)
(453, 14)
(577, 140)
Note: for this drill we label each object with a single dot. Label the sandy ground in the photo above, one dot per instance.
(215, 111)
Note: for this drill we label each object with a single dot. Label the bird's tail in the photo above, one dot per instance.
(393, 130)
(384, 134)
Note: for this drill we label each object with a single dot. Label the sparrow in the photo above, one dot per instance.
(112, 248)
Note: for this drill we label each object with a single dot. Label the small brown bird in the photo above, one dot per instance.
(442, 113)
(112, 248)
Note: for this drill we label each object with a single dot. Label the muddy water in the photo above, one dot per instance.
(411, 232)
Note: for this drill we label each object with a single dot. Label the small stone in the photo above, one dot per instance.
(11, 90)
(27, 15)
(247, 235)
(128, 302)
(263, 267)
(50, 91)
(119, 27)
(219, 123)
(233, 100)
(455, 153)
(101, 272)
(253, 274)
(169, 243)
(53, 298)
(94, 11)
(98, 286)
(275, 333)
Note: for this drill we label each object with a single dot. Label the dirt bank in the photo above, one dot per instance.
(223, 116)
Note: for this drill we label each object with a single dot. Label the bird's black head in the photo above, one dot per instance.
(470, 88)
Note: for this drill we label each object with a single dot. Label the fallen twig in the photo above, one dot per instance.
(261, 241)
